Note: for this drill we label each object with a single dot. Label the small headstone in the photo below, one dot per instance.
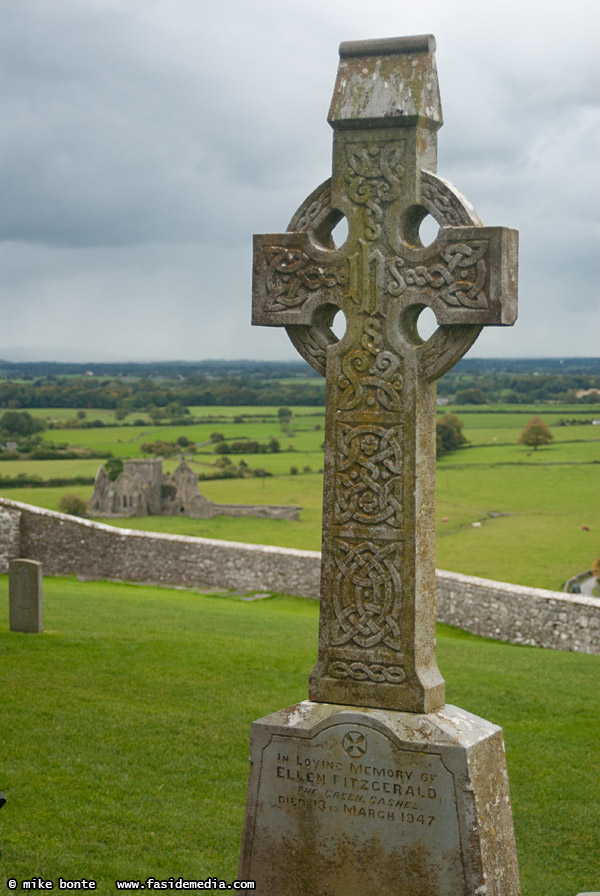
(25, 596)
(374, 784)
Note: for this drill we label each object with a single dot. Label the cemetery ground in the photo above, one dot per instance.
(538, 509)
(125, 732)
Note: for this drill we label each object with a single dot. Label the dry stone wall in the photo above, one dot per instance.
(10, 535)
(518, 614)
(66, 545)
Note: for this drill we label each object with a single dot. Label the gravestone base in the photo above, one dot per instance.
(349, 801)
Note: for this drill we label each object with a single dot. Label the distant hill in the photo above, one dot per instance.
(166, 369)
(587, 366)
(275, 369)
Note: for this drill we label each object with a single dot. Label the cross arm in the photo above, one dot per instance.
(292, 278)
(470, 277)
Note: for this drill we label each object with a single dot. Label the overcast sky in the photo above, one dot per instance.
(142, 143)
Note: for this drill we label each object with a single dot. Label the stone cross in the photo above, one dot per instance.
(377, 614)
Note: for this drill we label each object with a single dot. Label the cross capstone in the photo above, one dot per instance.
(377, 615)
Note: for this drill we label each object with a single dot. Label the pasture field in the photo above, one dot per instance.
(203, 412)
(49, 469)
(125, 441)
(531, 504)
(125, 732)
(60, 415)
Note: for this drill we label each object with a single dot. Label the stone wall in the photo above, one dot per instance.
(205, 509)
(518, 614)
(10, 535)
(67, 545)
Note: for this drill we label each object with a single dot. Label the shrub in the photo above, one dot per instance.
(73, 504)
(449, 435)
(471, 395)
(113, 466)
(19, 424)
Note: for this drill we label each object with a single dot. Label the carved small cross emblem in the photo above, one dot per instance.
(377, 618)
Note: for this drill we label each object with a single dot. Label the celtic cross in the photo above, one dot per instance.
(377, 613)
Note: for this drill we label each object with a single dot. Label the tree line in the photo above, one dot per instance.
(167, 390)
(126, 395)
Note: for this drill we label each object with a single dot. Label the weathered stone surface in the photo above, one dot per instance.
(10, 535)
(377, 622)
(353, 801)
(25, 596)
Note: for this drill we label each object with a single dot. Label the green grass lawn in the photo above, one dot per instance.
(125, 733)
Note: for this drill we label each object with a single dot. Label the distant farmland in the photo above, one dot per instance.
(532, 505)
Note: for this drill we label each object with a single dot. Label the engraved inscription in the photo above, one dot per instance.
(357, 775)
(406, 797)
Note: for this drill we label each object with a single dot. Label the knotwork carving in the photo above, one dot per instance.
(291, 276)
(463, 261)
(373, 175)
(372, 376)
(376, 628)
(363, 672)
(368, 483)
(445, 203)
(366, 599)
(441, 199)
(439, 352)
(310, 215)
(310, 343)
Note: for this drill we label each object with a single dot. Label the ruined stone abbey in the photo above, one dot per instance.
(142, 489)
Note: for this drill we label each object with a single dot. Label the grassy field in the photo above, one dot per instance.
(125, 733)
(532, 504)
